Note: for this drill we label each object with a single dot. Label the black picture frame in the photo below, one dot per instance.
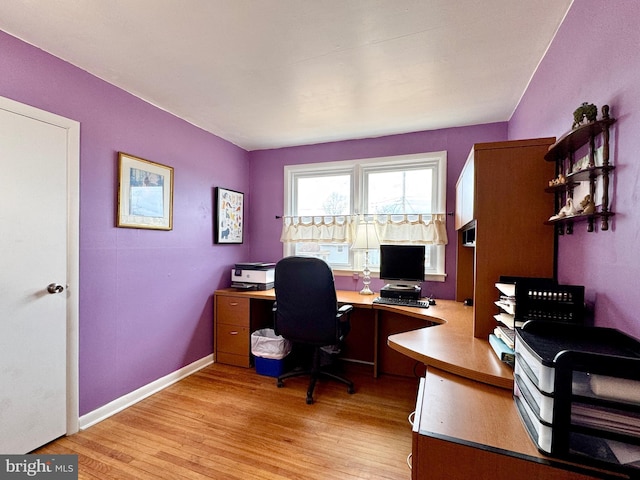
(229, 226)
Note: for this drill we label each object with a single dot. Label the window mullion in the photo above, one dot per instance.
(356, 205)
(358, 190)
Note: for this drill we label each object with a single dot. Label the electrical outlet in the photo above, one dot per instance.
(356, 276)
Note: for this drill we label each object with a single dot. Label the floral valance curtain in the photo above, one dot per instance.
(426, 229)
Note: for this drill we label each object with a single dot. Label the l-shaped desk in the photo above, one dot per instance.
(450, 347)
(466, 423)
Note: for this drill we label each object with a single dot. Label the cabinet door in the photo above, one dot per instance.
(510, 211)
(233, 339)
(232, 333)
(465, 191)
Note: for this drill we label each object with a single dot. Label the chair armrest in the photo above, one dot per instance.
(344, 310)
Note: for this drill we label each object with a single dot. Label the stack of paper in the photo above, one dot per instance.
(506, 334)
(508, 320)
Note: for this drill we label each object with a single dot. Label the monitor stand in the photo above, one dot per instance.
(399, 290)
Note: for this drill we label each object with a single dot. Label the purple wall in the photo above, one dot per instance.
(145, 296)
(594, 58)
(267, 185)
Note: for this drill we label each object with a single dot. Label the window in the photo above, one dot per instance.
(332, 194)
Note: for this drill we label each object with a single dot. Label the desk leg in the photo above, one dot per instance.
(376, 330)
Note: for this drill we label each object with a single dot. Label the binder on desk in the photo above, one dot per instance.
(501, 349)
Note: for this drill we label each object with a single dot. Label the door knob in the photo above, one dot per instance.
(55, 288)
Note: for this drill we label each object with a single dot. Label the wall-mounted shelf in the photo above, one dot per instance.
(562, 153)
(588, 172)
(567, 222)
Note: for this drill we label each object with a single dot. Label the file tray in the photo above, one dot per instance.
(590, 411)
(539, 342)
(601, 426)
(541, 300)
(543, 403)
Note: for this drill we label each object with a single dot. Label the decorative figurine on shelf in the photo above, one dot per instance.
(559, 180)
(567, 211)
(588, 207)
(586, 111)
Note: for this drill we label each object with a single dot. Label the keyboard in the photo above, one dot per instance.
(401, 302)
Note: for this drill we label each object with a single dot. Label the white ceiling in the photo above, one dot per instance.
(273, 73)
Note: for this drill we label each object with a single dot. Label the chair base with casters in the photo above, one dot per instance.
(315, 372)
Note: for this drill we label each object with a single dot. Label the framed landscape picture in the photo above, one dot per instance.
(229, 216)
(145, 194)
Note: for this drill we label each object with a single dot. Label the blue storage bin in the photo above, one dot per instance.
(270, 367)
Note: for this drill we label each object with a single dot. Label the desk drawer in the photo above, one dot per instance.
(232, 310)
(233, 339)
(231, 359)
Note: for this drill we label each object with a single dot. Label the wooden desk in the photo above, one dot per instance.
(449, 345)
(237, 313)
(464, 429)
(452, 347)
(466, 422)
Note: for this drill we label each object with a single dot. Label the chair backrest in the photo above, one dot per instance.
(306, 301)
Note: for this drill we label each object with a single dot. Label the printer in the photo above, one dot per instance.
(253, 276)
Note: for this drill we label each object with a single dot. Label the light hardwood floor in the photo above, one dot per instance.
(230, 423)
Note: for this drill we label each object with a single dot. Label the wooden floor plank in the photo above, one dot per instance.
(230, 423)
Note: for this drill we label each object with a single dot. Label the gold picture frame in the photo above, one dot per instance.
(145, 194)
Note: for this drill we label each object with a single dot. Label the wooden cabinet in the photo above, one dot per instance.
(235, 317)
(578, 177)
(232, 331)
(463, 429)
(504, 180)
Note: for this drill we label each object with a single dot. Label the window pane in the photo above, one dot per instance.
(336, 254)
(323, 195)
(400, 191)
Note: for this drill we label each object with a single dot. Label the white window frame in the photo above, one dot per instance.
(358, 170)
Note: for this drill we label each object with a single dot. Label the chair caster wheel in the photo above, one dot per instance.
(280, 383)
(351, 390)
(309, 400)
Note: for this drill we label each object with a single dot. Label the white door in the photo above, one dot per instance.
(38, 277)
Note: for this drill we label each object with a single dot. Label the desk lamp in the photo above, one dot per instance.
(366, 239)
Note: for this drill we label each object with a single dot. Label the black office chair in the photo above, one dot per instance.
(306, 312)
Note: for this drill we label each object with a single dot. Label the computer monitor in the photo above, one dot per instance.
(402, 263)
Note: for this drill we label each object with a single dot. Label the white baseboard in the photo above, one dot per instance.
(141, 393)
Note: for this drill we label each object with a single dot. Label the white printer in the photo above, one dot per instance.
(253, 276)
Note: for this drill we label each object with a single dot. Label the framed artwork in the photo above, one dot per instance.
(145, 194)
(229, 216)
